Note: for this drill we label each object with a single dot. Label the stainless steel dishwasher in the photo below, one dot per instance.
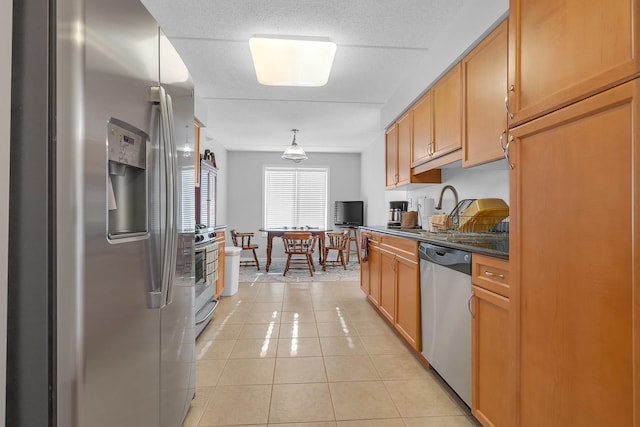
(445, 291)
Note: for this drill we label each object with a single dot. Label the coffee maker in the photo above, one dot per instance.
(395, 213)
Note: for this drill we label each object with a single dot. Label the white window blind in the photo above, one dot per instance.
(187, 218)
(295, 197)
(208, 188)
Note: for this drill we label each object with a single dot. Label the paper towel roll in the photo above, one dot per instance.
(426, 212)
(428, 207)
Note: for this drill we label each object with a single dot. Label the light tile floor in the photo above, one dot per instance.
(312, 354)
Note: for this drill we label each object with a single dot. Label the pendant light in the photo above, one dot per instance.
(294, 151)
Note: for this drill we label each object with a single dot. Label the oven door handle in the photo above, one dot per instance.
(208, 315)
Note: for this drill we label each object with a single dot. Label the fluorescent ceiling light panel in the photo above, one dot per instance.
(289, 62)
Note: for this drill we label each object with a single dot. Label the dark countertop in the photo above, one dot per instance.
(492, 244)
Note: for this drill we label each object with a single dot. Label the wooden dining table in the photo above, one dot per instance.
(279, 232)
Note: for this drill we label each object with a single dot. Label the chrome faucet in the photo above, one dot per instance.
(455, 195)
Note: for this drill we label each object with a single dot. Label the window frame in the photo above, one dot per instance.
(326, 169)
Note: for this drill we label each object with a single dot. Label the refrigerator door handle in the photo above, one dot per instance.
(156, 264)
(168, 234)
(173, 155)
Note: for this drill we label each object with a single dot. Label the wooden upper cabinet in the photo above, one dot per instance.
(447, 113)
(398, 148)
(391, 155)
(404, 149)
(561, 51)
(484, 72)
(422, 129)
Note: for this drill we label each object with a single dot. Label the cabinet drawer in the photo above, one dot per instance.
(491, 273)
(404, 247)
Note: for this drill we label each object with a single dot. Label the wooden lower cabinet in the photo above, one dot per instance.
(221, 260)
(491, 383)
(575, 265)
(365, 277)
(387, 304)
(374, 275)
(393, 283)
(407, 318)
(492, 344)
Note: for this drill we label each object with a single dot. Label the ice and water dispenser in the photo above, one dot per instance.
(126, 181)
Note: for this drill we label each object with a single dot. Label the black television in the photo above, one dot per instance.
(348, 213)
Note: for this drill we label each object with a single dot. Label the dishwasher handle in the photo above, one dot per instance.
(454, 259)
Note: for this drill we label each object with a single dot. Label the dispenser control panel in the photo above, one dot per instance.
(126, 146)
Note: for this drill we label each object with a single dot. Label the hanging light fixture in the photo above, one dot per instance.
(294, 151)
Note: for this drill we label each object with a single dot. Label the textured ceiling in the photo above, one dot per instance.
(380, 44)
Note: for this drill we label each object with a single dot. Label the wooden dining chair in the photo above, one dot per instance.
(337, 242)
(299, 248)
(243, 240)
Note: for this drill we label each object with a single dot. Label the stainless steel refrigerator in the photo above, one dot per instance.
(101, 211)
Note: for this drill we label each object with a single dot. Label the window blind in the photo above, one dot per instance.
(208, 189)
(295, 197)
(187, 218)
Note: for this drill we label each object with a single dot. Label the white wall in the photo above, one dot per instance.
(5, 122)
(475, 20)
(200, 109)
(486, 181)
(245, 180)
(373, 184)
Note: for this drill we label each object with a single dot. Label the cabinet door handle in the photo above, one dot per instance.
(469, 304)
(506, 151)
(506, 101)
(491, 274)
(504, 132)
